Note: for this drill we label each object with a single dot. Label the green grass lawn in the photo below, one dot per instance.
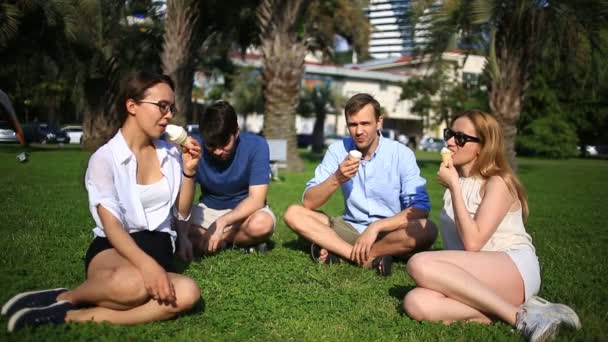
(45, 229)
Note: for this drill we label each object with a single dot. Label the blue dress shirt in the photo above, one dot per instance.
(383, 186)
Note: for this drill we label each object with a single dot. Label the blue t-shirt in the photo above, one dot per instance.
(224, 184)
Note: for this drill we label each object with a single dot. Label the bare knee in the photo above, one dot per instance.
(259, 225)
(419, 267)
(293, 213)
(126, 286)
(423, 233)
(187, 293)
(417, 304)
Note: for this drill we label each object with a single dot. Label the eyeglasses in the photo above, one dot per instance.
(164, 106)
(459, 137)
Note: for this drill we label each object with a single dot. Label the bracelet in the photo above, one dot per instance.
(188, 176)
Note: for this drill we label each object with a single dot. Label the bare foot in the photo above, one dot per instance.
(323, 253)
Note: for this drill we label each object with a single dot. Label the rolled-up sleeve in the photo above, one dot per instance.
(99, 183)
(328, 166)
(413, 186)
(177, 169)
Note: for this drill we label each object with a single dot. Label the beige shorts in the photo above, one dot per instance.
(204, 217)
(344, 229)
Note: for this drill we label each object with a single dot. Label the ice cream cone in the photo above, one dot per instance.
(176, 134)
(446, 155)
(354, 155)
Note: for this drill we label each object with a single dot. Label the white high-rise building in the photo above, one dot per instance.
(393, 35)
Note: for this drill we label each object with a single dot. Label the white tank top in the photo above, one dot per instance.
(510, 234)
(154, 197)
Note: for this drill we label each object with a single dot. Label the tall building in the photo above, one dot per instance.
(393, 35)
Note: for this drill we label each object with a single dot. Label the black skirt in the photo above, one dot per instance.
(158, 245)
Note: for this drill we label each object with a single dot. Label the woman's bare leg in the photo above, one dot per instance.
(187, 295)
(487, 282)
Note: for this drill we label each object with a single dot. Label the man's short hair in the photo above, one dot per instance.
(358, 101)
(217, 123)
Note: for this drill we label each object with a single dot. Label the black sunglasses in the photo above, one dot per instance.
(459, 137)
(164, 106)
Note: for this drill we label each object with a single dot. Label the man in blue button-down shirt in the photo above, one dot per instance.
(386, 205)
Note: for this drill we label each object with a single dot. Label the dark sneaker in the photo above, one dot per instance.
(261, 248)
(32, 299)
(34, 317)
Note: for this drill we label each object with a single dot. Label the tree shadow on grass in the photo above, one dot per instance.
(399, 291)
(298, 244)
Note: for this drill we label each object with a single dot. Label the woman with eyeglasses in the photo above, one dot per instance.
(489, 269)
(136, 184)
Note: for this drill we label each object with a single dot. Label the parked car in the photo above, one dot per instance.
(7, 134)
(44, 133)
(431, 144)
(332, 138)
(389, 133)
(75, 134)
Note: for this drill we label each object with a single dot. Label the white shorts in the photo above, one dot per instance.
(204, 216)
(527, 264)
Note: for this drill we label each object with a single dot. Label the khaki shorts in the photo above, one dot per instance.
(344, 229)
(204, 217)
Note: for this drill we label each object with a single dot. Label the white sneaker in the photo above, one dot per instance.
(539, 319)
(560, 311)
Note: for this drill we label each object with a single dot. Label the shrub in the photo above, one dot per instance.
(549, 136)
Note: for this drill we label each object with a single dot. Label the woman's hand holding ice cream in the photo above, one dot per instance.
(446, 155)
(191, 149)
(447, 174)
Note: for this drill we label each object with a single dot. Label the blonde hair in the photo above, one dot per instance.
(492, 159)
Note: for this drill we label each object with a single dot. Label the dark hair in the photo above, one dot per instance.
(217, 123)
(358, 101)
(134, 86)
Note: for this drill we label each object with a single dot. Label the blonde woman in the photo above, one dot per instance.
(489, 269)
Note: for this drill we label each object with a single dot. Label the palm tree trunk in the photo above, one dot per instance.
(505, 103)
(282, 72)
(318, 132)
(100, 121)
(178, 56)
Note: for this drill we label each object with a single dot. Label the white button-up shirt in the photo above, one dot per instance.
(111, 180)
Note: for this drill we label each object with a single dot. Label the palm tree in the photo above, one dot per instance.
(283, 51)
(318, 101)
(516, 33)
(181, 40)
(288, 29)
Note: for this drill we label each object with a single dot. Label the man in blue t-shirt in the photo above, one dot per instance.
(233, 175)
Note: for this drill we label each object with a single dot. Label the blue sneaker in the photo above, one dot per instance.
(34, 317)
(32, 299)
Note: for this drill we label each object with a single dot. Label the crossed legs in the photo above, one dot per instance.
(255, 229)
(117, 289)
(315, 227)
(464, 286)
